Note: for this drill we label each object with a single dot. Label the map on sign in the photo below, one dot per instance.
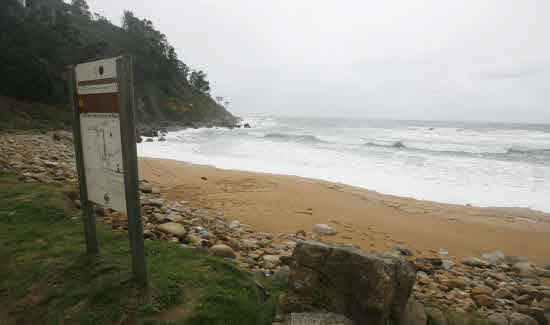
(97, 91)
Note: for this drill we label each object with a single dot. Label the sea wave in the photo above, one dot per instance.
(538, 152)
(396, 144)
(535, 155)
(294, 137)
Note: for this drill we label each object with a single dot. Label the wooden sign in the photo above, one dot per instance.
(97, 95)
(102, 97)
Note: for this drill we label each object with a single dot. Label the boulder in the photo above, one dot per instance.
(324, 230)
(521, 319)
(173, 228)
(367, 287)
(222, 251)
(413, 314)
(234, 224)
(472, 261)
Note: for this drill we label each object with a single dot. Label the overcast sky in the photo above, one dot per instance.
(467, 60)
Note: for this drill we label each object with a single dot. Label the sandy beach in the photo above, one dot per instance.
(373, 221)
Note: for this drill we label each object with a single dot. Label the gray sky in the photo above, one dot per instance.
(467, 60)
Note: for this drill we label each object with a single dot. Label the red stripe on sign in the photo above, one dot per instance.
(98, 103)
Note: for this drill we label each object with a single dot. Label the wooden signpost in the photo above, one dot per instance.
(102, 97)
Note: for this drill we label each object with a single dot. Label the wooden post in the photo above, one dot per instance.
(88, 216)
(129, 159)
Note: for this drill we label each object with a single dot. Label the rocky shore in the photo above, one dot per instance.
(503, 289)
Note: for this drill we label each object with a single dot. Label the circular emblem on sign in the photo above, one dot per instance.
(100, 70)
(106, 198)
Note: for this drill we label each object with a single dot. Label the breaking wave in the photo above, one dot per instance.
(535, 155)
(293, 137)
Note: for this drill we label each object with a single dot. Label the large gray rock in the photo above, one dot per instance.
(367, 287)
(413, 314)
(222, 250)
(173, 228)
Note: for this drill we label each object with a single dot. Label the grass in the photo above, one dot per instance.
(47, 278)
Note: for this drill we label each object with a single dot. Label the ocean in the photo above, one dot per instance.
(482, 164)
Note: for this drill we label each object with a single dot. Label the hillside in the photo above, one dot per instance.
(42, 38)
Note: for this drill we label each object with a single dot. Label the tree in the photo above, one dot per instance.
(80, 8)
(183, 70)
(198, 80)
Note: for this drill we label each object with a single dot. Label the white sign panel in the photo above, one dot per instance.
(97, 91)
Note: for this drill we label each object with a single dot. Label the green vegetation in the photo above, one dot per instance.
(47, 278)
(20, 115)
(40, 40)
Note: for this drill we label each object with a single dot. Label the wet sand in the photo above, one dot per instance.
(373, 221)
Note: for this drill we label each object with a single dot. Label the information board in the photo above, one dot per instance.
(97, 100)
